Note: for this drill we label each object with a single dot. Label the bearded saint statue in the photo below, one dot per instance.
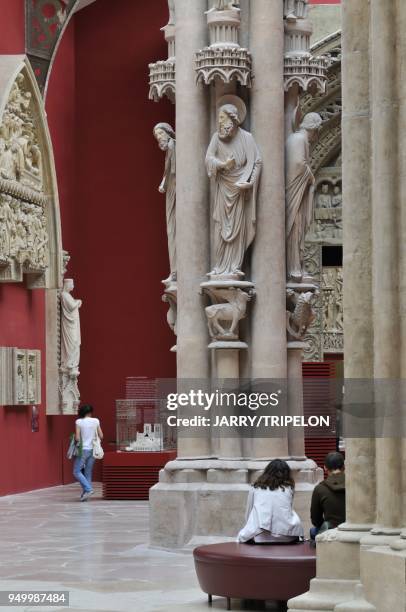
(165, 137)
(234, 162)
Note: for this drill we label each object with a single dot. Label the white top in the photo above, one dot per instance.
(271, 511)
(88, 427)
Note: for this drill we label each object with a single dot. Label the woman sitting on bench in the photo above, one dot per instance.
(270, 518)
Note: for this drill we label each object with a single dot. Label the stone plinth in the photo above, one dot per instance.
(196, 498)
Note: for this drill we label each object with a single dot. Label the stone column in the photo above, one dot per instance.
(228, 371)
(401, 46)
(358, 332)
(384, 96)
(192, 205)
(269, 358)
(295, 398)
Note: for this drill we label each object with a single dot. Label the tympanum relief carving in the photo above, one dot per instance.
(23, 222)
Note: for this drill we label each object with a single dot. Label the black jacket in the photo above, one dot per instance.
(328, 501)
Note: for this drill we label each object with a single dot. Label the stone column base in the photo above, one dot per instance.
(383, 575)
(345, 561)
(197, 498)
(324, 595)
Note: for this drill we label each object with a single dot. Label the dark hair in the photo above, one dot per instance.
(334, 461)
(276, 474)
(85, 410)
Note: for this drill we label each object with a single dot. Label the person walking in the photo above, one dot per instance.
(87, 428)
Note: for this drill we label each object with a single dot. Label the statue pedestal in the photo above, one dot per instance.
(207, 498)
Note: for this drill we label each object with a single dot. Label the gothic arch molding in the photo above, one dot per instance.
(326, 333)
(30, 225)
(30, 241)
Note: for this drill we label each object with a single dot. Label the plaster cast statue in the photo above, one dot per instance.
(234, 162)
(20, 385)
(299, 192)
(337, 200)
(233, 311)
(223, 5)
(324, 198)
(165, 137)
(70, 328)
(171, 6)
(294, 9)
(332, 302)
(300, 313)
(31, 381)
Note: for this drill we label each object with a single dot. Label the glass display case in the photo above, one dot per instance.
(141, 426)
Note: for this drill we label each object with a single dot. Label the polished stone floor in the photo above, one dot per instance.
(97, 550)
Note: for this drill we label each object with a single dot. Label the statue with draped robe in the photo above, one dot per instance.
(165, 137)
(299, 192)
(234, 162)
(70, 328)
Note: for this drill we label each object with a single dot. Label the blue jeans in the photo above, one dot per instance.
(313, 532)
(85, 463)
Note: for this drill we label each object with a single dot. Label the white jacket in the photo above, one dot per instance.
(271, 511)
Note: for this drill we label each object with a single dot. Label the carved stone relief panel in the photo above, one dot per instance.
(24, 236)
(327, 225)
(20, 377)
(332, 305)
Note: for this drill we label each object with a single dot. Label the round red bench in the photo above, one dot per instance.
(249, 571)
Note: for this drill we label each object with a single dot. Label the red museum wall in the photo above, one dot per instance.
(34, 460)
(120, 252)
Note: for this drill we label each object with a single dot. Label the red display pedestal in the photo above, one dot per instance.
(131, 475)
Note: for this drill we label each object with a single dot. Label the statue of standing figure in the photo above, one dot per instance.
(70, 328)
(295, 9)
(166, 139)
(171, 7)
(299, 192)
(234, 162)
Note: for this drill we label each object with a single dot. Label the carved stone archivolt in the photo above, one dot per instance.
(20, 377)
(29, 220)
(23, 224)
(45, 23)
(325, 333)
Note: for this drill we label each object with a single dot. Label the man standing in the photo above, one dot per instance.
(328, 499)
